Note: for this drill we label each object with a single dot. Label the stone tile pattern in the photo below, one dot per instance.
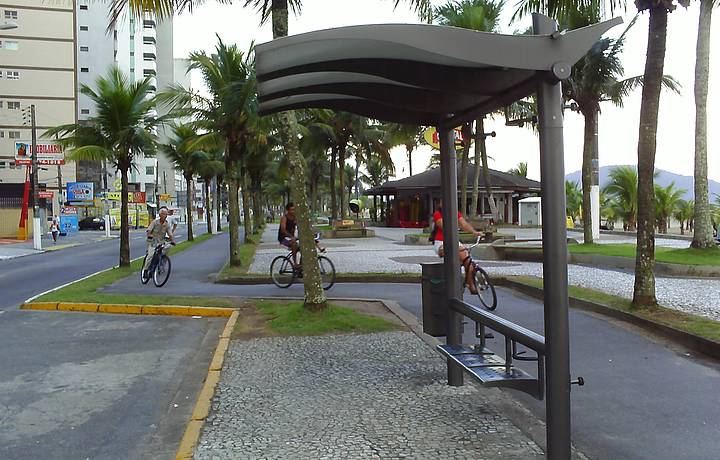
(351, 397)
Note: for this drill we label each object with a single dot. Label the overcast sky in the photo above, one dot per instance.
(618, 126)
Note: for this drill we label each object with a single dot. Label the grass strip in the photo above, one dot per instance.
(86, 290)
(697, 325)
(681, 256)
(247, 255)
(292, 319)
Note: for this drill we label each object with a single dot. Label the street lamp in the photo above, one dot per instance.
(8, 26)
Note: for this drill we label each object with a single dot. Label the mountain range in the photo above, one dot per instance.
(664, 179)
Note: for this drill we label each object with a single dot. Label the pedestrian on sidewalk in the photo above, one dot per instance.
(54, 229)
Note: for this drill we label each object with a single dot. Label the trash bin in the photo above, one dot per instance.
(434, 305)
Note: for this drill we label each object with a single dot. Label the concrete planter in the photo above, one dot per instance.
(661, 268)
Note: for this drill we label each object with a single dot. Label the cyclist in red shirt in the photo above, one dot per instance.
(463, 252)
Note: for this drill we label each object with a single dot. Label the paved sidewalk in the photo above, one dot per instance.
(351, 396)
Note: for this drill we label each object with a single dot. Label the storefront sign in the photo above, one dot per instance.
(46, 195)
(133, 197)
(80, 192)
(165, 197)
(433, 139)
(47, 153)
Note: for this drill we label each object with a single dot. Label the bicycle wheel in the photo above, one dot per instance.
(282, 272)
(327, 272)
(144, 279)
(162, 271)
(485, 289)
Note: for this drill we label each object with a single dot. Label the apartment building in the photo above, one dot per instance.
(37, 67)
(141, 48)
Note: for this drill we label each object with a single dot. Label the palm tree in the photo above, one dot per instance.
(519, 170)
(667, 202)
(409, 136)
(122, 130)
(349, 173)
(483, 16)
(702, 231)
(209, 170)
(226, 116)
(573, 199)
(623, 187)
(684, 213)
(595, 79)
(188, 160)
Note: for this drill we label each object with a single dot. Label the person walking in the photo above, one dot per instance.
(54, 229)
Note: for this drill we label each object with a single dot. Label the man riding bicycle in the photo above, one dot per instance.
(286, 232)
(463, 252)
(156, 232)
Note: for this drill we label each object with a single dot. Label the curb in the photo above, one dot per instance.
(190, 438)
(168, 310)
(341, 278)
(693, 342)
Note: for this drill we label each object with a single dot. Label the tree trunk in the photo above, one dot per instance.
(467, 133)
(486, 174)
(333, 190)
(479, 137)
(590, 116)
(409, 151)
(218, 204)
(357, 177)
(257, 208)
(189, 207)
(341, 174)
(247, 220)
(208, 211)
(234, 212)
(644, 289)
(124, 224)
(314, 294)
(702, 235)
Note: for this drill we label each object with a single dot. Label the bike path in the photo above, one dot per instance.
(642, 398)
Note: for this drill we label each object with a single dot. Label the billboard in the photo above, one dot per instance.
(432, 138)
(48, 153)
(133, 197)
(68, 219)
(80, 192)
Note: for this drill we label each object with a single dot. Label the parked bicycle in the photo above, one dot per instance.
(284, 272)
(481, 280)
(160, 266)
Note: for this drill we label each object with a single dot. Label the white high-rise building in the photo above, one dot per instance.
(141, 48)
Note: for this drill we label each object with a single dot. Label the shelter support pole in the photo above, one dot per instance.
(554, 237)
(453, 288)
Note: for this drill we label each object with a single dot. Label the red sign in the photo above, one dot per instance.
(48, 153)
(46, 194)
(138, 197)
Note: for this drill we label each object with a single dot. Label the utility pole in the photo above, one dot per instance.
(60, 190)
(37, 231)
(106, 207)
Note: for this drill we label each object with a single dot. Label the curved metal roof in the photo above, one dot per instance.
(413, 73)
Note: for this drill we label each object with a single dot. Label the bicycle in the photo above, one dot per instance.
(284, 273)
(481, 280)
(160, 267)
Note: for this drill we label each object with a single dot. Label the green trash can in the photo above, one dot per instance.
(434, 304)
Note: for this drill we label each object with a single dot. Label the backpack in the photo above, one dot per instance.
(433, 232)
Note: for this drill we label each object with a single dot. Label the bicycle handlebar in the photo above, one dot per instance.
(477, 242)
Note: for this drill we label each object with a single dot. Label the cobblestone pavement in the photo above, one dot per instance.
(385, 253)
(351, 397)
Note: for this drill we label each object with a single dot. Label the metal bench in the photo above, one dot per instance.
(490, 369)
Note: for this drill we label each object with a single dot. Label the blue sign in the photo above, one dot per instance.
(80, 192)
(68, 220)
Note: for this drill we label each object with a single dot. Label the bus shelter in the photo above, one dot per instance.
(444, 76)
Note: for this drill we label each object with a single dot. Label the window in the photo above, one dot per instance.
(2, 164)
(83, 28)
(149, 73)
(14, 134)
(9, 45)
(149, 40)
(13, 105)
(1, 106)
(83, 7)
(84, 48)
(85, 111)
(2, 134)
(84, 69)
(12, 75)
(150, 170)
(11, 15)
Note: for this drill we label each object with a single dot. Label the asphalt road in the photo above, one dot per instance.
(643, 398)
(76, 385)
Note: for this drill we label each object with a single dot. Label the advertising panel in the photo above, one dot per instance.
(80, 192)
(68, 219)
(48, 153)
(133, 197)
